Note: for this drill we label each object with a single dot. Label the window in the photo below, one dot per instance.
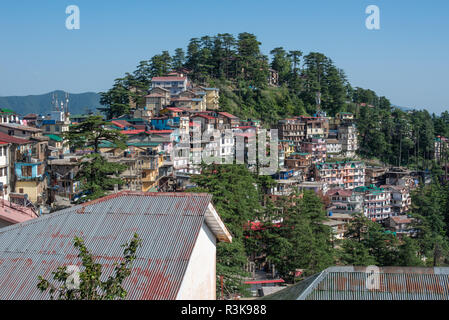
(47, 128)
(26, 172)
(11, 132)
(1, 152)
(56, 128)
(21, 190)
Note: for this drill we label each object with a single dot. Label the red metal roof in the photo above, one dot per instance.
(168, 79)
(205, 116)
(121, 123)
(11, 139)
(174, 109)
(159, 131)
(228, 115)
(265, 281)
(14, 213)
(132, 131)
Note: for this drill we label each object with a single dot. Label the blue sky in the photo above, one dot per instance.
(407, 60)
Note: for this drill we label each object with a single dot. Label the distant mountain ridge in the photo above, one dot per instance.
(41, 104)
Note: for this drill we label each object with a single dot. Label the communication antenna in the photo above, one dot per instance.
(66, 103)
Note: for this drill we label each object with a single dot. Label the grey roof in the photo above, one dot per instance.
(167, 223)
(350, 283)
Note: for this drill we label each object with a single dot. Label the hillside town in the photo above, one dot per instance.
(39, 168)
(316, 152)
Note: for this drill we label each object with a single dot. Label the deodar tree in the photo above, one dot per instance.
(89, 286)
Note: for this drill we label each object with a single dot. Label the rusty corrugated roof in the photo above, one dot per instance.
(350, 283)
(167, 223)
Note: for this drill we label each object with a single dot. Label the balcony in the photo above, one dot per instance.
(29, 171)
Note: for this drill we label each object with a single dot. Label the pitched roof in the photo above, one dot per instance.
(132, 131)
(205, 116)
(14, 213)
(159, 131)
(167, 223)
(168, 79)
(54, 137)
(341, 192)
(10, 139)
(121, 123)
(228, 115)
(20, 127)
(349, 283)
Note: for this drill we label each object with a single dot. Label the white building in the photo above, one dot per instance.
(376, 202)
(175, 84)
(347, 136)
(333, 148)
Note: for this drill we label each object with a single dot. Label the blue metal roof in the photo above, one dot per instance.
(167, 223)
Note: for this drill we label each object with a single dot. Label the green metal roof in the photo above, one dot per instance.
(54, 137)
(144, 144)
(6, 110)
(299, 153)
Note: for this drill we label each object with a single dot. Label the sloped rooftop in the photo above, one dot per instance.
(350, 283)
(167, 223)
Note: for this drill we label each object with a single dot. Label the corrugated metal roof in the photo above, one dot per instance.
(395, 283)
(167, 223)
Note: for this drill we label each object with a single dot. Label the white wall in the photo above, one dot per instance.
(199, 281)
(4, 163)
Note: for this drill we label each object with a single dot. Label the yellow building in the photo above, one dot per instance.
(212, 98)
(150, 171)
(35, 189)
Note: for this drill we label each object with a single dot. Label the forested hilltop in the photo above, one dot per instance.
(240, 70)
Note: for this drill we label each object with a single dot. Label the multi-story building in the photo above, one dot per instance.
(287, 146)
(375, 175)
(292, 130)
(441, 144)
(376, 202)
(347, 136)
(316, 126)
(62, 174)
(175, 84)
(344, 117)
(400, 198)
(333, 148)
(56, 123)
(20, 131)
(345, 201)
(212, 98)
(8, 116)
(302, 128)
(30, 177)
(229, 120)
(157, 99)
(299, 160)
(286, 182)
(54, 126)
(400, 225)
(341, 174)
(28, 160)
(316, 146)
